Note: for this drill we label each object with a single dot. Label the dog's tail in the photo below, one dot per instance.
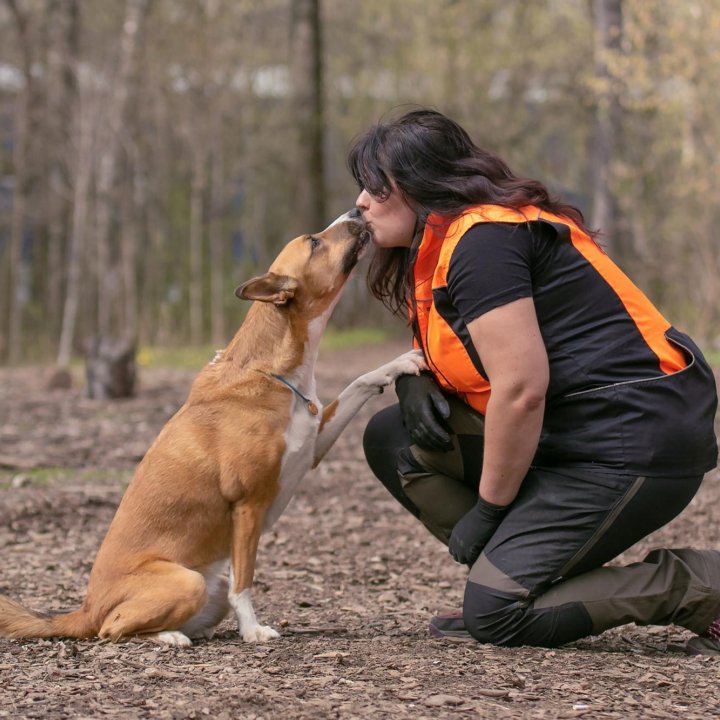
(19, 622)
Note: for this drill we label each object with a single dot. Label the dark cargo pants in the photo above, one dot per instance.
(540, 580)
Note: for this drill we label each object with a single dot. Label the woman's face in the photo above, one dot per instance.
(391, 220)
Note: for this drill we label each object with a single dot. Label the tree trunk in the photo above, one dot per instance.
(81, 189)
(109, 142)
(63, 28)
(19, 274)
(215, 231)
(110, 369)
(307, 58)
(607, 35)
(133, 201)
(198, 185)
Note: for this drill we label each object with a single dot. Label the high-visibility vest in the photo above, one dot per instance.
(451, 359)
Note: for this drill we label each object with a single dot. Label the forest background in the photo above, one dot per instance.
(156, 153)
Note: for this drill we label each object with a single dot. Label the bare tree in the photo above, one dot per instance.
(21, 161)
(307, 60)
(110, 127)
(607, 36)
(63, 30)
(82, 172)
(198, 187)
(215, 233)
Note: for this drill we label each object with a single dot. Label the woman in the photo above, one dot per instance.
(599, 426)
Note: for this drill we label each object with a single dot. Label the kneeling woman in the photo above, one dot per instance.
(563, 419)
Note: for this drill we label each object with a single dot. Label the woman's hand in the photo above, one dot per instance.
(424, 410)
(473, 530)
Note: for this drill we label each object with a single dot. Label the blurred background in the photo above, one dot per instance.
(156, 153)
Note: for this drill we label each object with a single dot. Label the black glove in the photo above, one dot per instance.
(424, 411)
(474, 529)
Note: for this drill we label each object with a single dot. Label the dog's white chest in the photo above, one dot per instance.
(298, 457)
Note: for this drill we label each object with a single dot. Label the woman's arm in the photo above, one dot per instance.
(512, 351)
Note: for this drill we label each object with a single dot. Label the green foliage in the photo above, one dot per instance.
(187, 357)
(49, 476)
(713, 357)
(212, 115)
(342, 338)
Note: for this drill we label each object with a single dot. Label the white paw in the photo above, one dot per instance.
(409, 363)
(174, 637)
(259, 633)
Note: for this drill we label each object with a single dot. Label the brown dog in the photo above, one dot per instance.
(225, 466)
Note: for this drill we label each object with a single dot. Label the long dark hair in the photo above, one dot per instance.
(438, 169)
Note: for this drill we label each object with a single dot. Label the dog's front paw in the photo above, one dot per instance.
(259, 633)
(409, 363)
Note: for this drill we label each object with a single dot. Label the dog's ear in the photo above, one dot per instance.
(269, 287)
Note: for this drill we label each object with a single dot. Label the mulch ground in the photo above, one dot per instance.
(347, 576)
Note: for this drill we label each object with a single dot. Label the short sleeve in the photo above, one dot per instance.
(490, 267)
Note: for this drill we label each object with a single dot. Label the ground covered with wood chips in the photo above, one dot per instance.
(348, 578)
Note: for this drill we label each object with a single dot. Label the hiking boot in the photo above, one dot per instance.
(449, 626)
(708, 643)
(702, 645)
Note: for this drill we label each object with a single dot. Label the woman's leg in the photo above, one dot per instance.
(437, 487)
(540, 582)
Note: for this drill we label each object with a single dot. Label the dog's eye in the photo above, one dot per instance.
(314, 243)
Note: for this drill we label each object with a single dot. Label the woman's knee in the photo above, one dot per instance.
(383, 438)
(499, 618)
(385, 428)
(490, 615)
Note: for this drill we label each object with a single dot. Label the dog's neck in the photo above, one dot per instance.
(278, 340)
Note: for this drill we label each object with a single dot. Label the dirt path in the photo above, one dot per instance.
(348, 577)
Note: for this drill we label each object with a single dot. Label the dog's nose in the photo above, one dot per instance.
(355, 214)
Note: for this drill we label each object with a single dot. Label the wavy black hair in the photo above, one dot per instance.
(438, 169)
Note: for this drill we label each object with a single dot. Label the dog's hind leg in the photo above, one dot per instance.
(158, 599)
(202, 625)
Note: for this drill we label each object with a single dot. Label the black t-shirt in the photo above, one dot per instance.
(604, 403)
(490, 267)
(590, 338)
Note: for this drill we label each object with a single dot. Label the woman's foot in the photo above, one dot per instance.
(702, 645)
(449, 626)
(708, 643)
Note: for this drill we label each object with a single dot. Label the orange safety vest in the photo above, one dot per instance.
(444, 351)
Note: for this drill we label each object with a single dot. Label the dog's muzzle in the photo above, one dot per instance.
(361, 233)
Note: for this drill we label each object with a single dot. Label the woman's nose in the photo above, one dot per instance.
(363, 200)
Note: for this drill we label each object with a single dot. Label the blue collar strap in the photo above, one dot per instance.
(311, 406)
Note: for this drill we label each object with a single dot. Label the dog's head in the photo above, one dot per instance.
(310, 270)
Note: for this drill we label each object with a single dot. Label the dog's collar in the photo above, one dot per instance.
(309, 404)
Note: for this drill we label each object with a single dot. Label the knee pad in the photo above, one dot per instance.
(491, 615)
(494, 616)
